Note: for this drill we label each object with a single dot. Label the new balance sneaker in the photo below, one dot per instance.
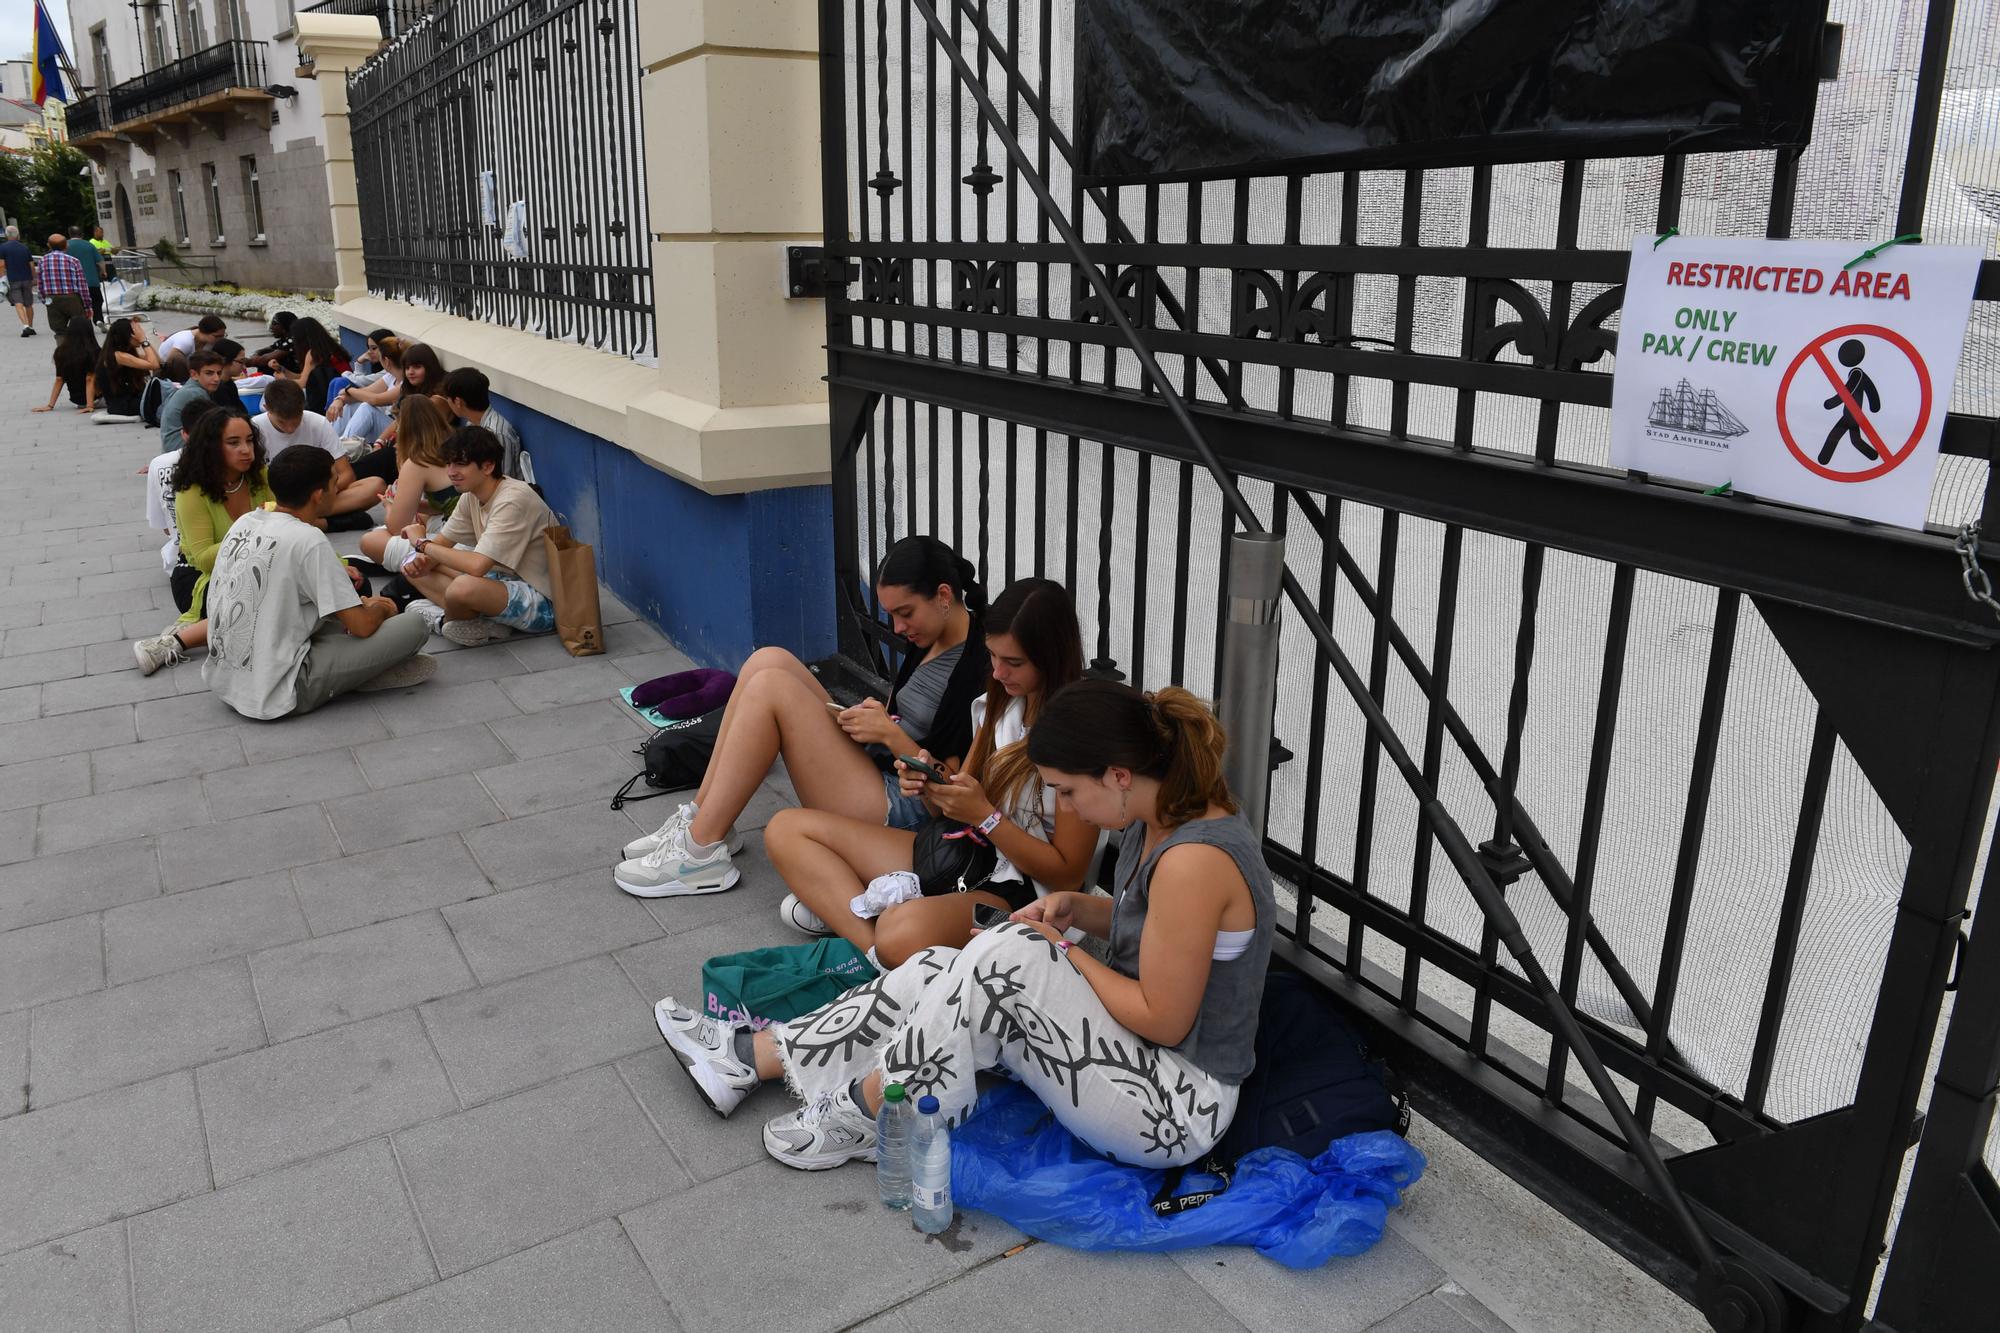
(682, 819)
(800, 917)
(476, 631)
(163, 649)
(429, 612)
(706, 1049)
(673, 870)
(831, 1131)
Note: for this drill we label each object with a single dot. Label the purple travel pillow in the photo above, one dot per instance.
(686, 693)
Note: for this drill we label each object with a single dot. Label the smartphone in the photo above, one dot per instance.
(986, 915)
(835, 709)
(930, 774)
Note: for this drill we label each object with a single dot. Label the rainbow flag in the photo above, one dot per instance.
(46, 80)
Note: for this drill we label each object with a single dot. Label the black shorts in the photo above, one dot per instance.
(182, 581)
(1017, 893)
(377, 463)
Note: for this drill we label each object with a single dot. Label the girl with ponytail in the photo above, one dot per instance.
(1141, 1056)
(1035, 649)
(839, 759)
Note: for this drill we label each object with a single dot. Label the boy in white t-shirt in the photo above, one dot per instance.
(284, 422)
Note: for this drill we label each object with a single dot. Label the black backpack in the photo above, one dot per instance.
(1315, 1081)
(676, 758)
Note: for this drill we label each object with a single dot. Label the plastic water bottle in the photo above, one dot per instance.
(930, 1164)
(892, 1148)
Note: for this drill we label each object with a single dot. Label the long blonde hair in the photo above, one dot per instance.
(421, 428)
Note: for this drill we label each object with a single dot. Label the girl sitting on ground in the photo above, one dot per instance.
(422, 488)
(1035, 649)
(128, 360)
(218, 478)
(1141, 1057)
(839, 759)
(75, 359)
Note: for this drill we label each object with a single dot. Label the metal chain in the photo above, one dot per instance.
(1977, 585)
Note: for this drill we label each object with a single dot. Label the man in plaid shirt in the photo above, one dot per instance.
(62, 283)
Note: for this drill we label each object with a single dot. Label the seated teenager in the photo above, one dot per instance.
(317, 359)
(839, 759)
(1035, 649)
(287, 630)
(160, 489)
(467, 394)
(179, 348)
(362, 411)
(279, 354)
(128, 360)
(486, 573)
(225, 391)
(284, 422)
(1190, 932)
(423, 483)
(207, 370)
(422, 373)
(218, 478)
(75, 358)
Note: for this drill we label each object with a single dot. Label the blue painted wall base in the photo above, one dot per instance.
(720, 575)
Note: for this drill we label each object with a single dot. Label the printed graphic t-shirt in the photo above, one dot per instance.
(507, 530)
(160, 506)
(275, 580)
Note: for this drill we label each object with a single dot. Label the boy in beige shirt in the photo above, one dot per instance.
(486, 573)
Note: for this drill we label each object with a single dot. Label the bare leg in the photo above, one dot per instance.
(759, 662)
(361, 494)
(766, 1048)
(777, 714)
(375, 544)
(468, 596)
(828, 859)
(193, 636)
(905, 929)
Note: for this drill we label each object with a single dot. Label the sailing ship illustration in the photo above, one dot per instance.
(1696, 411)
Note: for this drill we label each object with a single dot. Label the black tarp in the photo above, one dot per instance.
(1186, 88)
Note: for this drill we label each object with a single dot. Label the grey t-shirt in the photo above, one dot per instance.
(917, 702)
(275, 580)
(510, 440)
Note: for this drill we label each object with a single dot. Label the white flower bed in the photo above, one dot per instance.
(230, 305)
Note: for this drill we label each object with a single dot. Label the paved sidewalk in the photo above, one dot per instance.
(341, 1019)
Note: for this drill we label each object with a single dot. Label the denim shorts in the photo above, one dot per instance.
(527, 610)
(905, 812)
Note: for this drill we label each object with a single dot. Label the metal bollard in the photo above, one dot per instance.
(1246, 683)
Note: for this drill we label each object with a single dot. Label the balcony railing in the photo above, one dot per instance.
(222, 66)
(88, 114)
(395, 16)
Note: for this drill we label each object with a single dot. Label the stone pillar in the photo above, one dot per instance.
(336, 44)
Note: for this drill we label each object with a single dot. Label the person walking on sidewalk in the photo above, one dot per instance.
(20, 264)
(64, 286)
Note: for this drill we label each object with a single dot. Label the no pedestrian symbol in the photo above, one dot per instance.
(1854, 402)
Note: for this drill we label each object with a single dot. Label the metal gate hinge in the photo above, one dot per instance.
(810, 274)
(1504, 861)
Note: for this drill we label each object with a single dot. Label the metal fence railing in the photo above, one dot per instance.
(216, 69)
(501, 169)
(395, 16)
(1553, 742)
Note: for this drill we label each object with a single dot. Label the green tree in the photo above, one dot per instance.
(14, 188)
(61, 192)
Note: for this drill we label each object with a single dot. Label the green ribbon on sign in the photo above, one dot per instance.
(1911, 239)
(1664, 236)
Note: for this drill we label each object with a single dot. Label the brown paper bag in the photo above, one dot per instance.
(573, 574)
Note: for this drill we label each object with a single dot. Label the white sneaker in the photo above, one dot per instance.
(830, 1132)
(429, 612)
(671, 870)
(800, 917)
(682, 818)
(706, 1049)
(162, 649)
(476, 631)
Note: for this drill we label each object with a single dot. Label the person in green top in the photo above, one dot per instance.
(218, 479)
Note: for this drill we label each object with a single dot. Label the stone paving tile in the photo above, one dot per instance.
(13, 1063)
(553, 782)
(51, 962)
(845, 1256)
(489, 662)
(1344, 1295)
(162, 718)
(142, 1029)
(91, 1161)
(512, 1035)
(535, 848)
(335, 979)
(653, 665)
(39, 668)
(450, 804)
(17, 835)
(200, 926)
(284, 1250)
(74, 1285)
(503, 1176)
(571, 728)
(283, 783)
(173, 757)
(53, 887)
(436, 707)
(524, 930)
(347, 721)
(672, 966)
(76, 695)
(590, 1281)
(1044, 1285)
(433, 754)
(86, 821)
(239, 848)
(301, 1098)
(560, 686)
(65, 634)
(20, 703)
(67, 735)
(705, 1144)
(396, 881)
(122, 600)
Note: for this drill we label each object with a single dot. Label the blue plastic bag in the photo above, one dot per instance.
(1011, 1158)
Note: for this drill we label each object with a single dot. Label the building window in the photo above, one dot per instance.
(100, 58)
(180, 205)
(253, 199)
(213, 185)
(192, 37)
(158, 49)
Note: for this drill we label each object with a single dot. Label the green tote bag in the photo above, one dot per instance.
(775, 985)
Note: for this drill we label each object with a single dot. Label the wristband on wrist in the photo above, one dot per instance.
(991, 822)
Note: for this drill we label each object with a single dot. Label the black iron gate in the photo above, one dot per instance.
(1726, 765)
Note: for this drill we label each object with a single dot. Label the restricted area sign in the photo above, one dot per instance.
(1772, 366)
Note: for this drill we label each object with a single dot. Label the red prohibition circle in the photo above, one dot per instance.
(1890, 458)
